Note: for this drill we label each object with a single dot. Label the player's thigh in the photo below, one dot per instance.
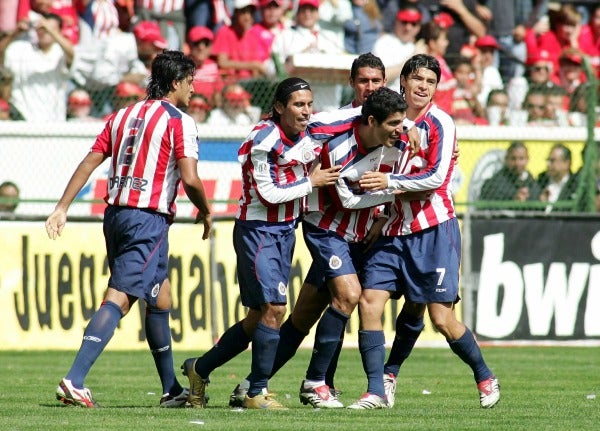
(263, 265)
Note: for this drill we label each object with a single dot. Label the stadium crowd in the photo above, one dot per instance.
(504, 62)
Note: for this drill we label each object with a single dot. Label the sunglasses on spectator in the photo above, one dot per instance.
(539, 68)
(531, 105)
(413, 23)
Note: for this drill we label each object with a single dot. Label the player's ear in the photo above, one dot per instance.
(278, 107)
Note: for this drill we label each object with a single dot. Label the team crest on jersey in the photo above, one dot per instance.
(262, 167)
(282, 288)
(308, 154)
(335, 262)
(155, 290)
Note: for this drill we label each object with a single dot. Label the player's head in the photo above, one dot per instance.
(366, 75)
(419, 79)
(292, 105)
(171, 73)
(383, 112)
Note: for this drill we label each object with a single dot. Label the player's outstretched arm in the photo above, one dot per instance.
(194, 189)
(57, 220)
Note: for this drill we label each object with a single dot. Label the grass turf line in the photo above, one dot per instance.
(543, 388)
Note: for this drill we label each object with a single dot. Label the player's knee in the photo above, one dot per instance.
(347, 302)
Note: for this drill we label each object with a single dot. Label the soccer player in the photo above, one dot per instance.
(279, 169)
(418, 254)
(367, 74)
(153, 147)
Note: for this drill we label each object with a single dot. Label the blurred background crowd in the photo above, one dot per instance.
(505, 62)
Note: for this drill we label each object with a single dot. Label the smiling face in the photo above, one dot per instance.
(295, 114)
(387, 132)
(419, 88)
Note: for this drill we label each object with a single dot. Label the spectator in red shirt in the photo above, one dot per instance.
(238, 50)
(565, 25)
(589, 38)
(271, 24)
(207, 78)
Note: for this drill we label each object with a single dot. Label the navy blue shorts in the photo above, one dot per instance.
(264, 259)
(137, 248)
(332, 255)
(423, 266)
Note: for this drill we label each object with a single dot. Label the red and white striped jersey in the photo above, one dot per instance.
(144, 141)
(105, 18)
(160, 6)
(430, 169)
(275, 169)
(331, 208)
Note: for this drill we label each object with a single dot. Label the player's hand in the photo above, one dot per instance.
(414, 140)
(374, 233)
(324, 177)
(372, 181)
(206, 220)
(55, 223)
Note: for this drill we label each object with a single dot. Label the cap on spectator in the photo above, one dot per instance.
(199, 103)
(149, 31)
(236, 94)
(408, 15)
(80, 98)
(129, 89)
(265, 3)
(312, 3)
(197, 33)
(242, 4)
(4, 106)
(444, 20)
(571, 56)
(487, 41)
(539, 57)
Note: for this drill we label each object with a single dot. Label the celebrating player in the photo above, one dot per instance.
(366, 76)
(153, 146)
(418, 254)
(278, 171)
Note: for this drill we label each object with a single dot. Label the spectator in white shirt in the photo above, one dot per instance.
(41, 71)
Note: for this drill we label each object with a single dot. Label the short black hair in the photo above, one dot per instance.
(382, 103)
(366, 60)
(283, 93)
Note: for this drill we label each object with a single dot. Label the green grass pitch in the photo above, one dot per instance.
(543, 388)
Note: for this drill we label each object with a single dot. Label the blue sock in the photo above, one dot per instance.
(233, 342)
(329, 375)
(285, 351)
(372, 351)
(96, 336)
(408, 329)
(158, 336)
(330, 331)
(467, 349)
(264, 348)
